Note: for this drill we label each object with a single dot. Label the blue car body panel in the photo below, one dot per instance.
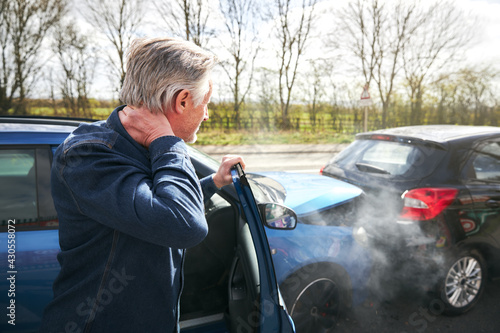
(26, 138)
(309, 244)
(307, 193)
(33, 271)
(34, 134)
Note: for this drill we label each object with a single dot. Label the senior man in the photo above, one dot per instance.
(128, 198)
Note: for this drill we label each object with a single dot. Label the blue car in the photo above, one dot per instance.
(265, 231)
(322, 266)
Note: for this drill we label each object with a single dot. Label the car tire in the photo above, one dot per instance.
(464, 282)
(315, 297)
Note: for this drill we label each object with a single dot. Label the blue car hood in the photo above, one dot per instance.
(308, 193)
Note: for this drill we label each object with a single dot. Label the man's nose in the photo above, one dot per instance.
(206, 114)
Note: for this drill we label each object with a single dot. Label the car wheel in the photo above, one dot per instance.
(315, 298)
(463, 283)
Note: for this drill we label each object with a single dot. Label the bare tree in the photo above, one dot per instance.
(266, 97)
(242, 47)
(435, 44)
(376, 34)
(187, 19)
(119, 21)
(78, 61)
(7, 89)
(332, 92)
(478, 87)
(444, 90)
(24, 26)
(363, 24)
(466, 96)
(292, 31)
(315, 87)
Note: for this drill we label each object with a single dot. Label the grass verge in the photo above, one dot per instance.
(277, 137)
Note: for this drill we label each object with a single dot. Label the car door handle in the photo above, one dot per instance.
(492, 204)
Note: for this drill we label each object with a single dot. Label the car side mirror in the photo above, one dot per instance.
(276, 216)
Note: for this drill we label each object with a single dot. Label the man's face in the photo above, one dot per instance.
(195, 115)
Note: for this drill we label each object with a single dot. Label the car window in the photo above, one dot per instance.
(350, 154)
(203, 158)
(407, 160)
(390, 156)
(25, 188)
(487, 162)
(18, 195)
(266, 189)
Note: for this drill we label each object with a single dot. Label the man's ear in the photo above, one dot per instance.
(181, 101)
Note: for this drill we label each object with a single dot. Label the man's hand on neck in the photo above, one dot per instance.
(143, 125)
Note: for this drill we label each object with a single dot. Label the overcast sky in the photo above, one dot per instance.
(488, 48)
(485, 51)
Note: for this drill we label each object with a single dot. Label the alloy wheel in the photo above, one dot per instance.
(463, 282)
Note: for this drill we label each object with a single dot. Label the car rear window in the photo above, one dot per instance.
(405, 159)
(389, 156)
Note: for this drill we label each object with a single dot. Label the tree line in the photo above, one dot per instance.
(284, 64)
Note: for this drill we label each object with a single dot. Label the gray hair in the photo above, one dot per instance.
(159, 68)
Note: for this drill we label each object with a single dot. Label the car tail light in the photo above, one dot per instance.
(426, 203)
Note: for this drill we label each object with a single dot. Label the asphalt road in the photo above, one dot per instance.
(290, 158)
(407, 310)
(411, 310)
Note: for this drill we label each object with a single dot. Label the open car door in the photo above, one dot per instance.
(229, 279)
(255, 303)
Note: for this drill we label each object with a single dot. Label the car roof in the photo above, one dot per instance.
(28, 130)
(437, 133)
(16, 123)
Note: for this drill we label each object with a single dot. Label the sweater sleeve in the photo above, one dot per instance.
(162, 204)
(208, 187)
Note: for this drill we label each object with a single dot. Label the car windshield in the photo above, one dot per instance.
(266, 189)
(203, 158)
(263, 188)
(389, 158)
